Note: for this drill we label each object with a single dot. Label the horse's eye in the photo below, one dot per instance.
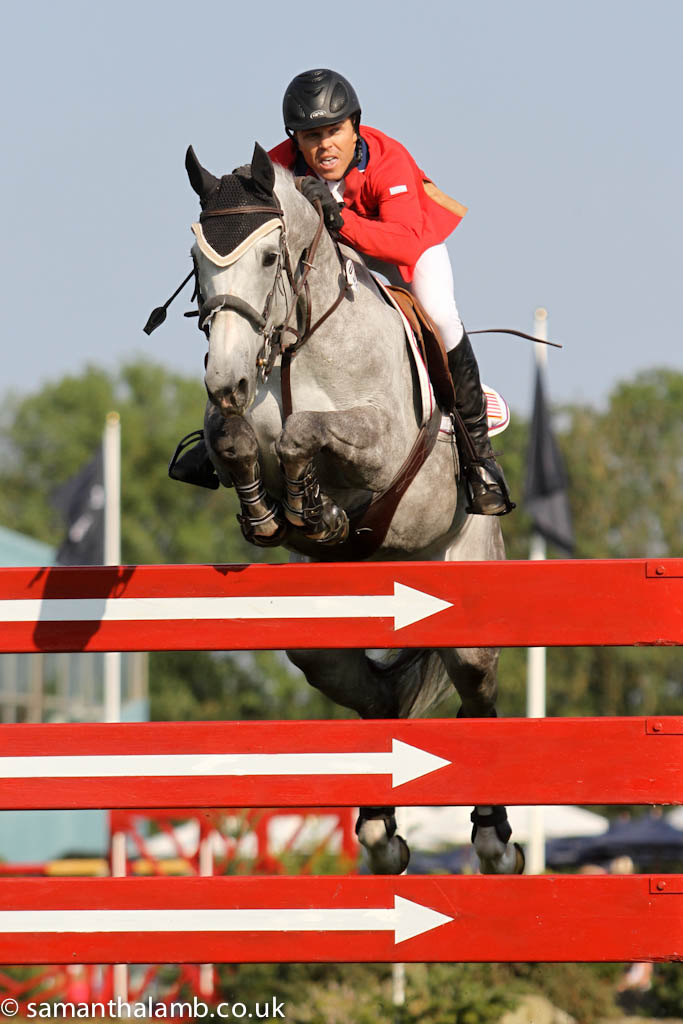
(269, 259)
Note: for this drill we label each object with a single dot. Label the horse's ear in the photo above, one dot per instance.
(202, 181)
(262, 170)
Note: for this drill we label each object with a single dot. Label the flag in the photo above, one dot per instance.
(546, 482)
(81, 502)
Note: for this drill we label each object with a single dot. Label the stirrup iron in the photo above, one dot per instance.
(191, 463)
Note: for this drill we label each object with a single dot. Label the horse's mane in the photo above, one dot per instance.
(283, 177)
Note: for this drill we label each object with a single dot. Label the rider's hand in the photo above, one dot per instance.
(312, 189)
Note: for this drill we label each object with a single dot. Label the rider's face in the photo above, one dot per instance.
(329, 150)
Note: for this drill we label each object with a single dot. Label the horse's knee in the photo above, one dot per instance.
(232, 439)
(299, 439)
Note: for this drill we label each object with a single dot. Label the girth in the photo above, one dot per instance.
(370, 525)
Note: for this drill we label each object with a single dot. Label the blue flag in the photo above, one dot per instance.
(546, 492)
(81, 502)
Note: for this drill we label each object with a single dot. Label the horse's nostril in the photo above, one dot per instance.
(231, 400)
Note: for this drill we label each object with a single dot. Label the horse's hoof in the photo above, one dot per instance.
(508, 861)
(336, 527)
(272, 541)
(250, 529)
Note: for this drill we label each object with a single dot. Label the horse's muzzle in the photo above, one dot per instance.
(231, 401)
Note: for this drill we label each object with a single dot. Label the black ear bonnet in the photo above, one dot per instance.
(224, 234)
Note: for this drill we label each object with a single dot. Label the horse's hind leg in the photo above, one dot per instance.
(233, 449)
(347, 677)
(473, 671)
(388, 853)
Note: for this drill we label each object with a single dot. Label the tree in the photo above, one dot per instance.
(625, 467)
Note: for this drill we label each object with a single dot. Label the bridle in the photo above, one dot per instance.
(273, 336)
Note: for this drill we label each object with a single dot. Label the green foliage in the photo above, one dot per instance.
(454, 994)
(438, 993)
(585, 991)
(665, 999)
(202, 685)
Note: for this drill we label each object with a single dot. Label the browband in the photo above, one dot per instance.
(242, 209)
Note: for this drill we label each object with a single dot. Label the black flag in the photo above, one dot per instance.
(81, 502)
(546, 481)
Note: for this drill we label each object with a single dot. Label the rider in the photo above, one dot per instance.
(375, 198)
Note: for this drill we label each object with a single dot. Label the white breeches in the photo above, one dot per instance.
(432, 286)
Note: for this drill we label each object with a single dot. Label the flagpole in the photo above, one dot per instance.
(536, 659)
(111, 445)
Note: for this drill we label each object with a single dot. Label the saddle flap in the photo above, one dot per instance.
(433, 351)
(431, 345)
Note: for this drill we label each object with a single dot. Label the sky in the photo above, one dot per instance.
(557, 123)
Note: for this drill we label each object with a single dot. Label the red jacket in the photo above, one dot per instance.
(387, 213)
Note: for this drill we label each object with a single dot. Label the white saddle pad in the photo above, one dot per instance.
(497, 408)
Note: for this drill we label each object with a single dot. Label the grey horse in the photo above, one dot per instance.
(308, 433)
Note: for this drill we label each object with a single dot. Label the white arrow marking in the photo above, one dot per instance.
(406, 920)
(405, 606)
(404, 763)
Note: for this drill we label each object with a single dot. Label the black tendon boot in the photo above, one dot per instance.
(487, 491)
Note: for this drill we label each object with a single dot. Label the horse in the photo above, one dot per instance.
(314, 415)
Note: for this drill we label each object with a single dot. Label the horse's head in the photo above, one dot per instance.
(239, 254)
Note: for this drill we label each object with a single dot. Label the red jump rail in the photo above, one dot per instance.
(342, 919)
(343, 763)
(378, 604)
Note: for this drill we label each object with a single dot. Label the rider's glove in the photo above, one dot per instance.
(314, 189)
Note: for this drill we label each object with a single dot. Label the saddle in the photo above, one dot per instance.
(430, 344)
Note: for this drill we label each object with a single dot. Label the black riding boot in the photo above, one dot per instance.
(487, 490)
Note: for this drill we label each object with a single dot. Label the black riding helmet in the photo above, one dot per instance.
(319, 97)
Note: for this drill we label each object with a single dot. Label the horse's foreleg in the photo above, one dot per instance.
(233, 449)
(473, 671)
(352, 439)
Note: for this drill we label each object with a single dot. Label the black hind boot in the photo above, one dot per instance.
(486, 487)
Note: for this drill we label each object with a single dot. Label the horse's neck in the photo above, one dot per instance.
(302, 221)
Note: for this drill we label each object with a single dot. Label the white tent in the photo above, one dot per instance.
(433, 828)
(675, 817)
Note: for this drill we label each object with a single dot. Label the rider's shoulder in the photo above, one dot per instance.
(284, 154)
(382, 147)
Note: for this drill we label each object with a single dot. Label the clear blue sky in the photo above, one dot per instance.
(557, 123)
